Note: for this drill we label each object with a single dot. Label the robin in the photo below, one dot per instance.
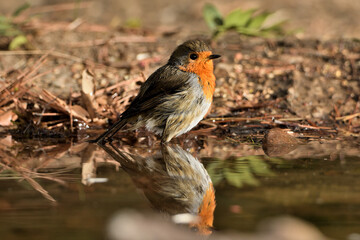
(176, 97)
(174, 182)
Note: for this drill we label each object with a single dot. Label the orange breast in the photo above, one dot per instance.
(204, 68)
(206, 212)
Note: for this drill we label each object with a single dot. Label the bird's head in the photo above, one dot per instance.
(193, 56)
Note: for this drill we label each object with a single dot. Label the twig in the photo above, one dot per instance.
(42, 74)
(29, 72)
(18, 94)
(25, 90)
(57, 8)
(348, 117)
(67, 26)
(71, 115)
(212, 127)
(25, 173)
(41, 116)
(39, 188)
(35, 67)
(240, 119)
(41, 52)
(56, 54)
(60, 105)
(117, 39)
(44, 114)
(302, 125)
(337, 112)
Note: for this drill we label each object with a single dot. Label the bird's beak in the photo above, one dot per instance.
(213, 56)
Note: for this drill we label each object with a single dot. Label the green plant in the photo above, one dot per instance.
(12, 30)
(247, 22)
(240, 171)
(133, 23)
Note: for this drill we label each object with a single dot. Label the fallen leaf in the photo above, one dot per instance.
(62, 106)
(88, 92)
(6, 118)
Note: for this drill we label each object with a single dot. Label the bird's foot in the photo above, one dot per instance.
(91, 141)
(103, 141)
(100, 141)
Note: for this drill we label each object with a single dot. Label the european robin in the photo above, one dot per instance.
(176, 97)
(174, 182)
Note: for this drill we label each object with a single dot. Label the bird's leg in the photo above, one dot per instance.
(102, 138)
(106, 136)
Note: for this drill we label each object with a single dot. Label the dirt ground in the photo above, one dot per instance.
(305, 81)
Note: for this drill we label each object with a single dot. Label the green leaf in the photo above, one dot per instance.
(257, 21)
(3, 19)
(214, 170)
(248, 31)
(233, 178)
(245, 174)
(241, 165)
(17, 42)
(277, 27)
(238, 18)
(249, 179)
(20, 9)
(133, 23)
(212, 16)
(259, 167)
(5, 26)
(242, 21)
(276, 160)
(216, 179)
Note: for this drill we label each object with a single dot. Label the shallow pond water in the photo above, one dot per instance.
(72, 190)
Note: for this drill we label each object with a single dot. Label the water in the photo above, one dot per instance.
(80, 187)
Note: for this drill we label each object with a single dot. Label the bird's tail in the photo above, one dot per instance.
(111, 131)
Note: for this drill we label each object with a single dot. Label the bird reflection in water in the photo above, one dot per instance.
(174, 182)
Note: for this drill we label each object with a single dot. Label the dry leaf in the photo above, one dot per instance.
(6, 142)
(7, 117)
(78, 148)
(88, 164)
(61, 106)
(88, 92)
(87, 83)
(79, 111)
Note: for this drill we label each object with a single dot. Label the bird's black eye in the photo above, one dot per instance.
(193, 56)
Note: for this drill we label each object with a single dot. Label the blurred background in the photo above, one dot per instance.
(316, 18)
